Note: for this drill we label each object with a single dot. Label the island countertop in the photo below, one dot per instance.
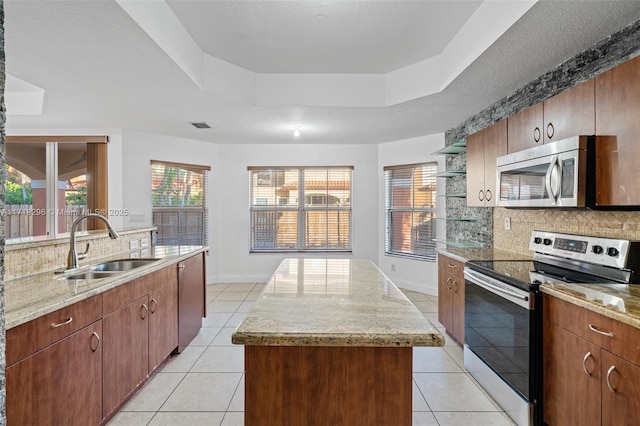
(334, 302)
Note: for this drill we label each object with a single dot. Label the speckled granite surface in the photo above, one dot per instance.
(36, 295)
(620, 302)
(334, 302)
(466, 254)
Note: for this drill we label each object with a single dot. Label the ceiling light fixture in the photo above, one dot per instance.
(296, 131)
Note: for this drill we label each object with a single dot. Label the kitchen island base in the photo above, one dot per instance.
(324, 385)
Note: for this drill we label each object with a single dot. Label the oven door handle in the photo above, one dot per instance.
(481, 280)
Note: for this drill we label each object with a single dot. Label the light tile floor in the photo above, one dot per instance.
(204, 384)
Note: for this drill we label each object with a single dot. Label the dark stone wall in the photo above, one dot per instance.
(615, 49)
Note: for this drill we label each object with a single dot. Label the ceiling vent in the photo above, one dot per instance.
(201, 125)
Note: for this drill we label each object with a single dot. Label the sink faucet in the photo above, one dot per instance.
(74, 256)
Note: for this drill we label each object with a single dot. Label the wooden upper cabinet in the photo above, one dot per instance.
(525, 129)
(617, 113)
(569, 113)
(483, 148)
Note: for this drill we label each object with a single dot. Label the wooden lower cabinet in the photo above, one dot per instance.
(126, 352)
(589, 378)
(191, 299)
(451, 296)
(571, 396)
(59, 385)
(163, 320)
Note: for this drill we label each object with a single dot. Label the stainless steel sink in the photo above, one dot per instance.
(86, 276)
(121, 265)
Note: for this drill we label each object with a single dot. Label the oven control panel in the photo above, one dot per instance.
(601, 251)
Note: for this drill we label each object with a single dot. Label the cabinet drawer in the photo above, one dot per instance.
(453, 268)
(30, 337)
(622, 340)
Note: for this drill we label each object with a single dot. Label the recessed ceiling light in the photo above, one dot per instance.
(201, 125)
(296, 131)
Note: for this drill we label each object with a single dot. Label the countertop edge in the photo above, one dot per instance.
(623, 317)
(17, 318)
(434, 338)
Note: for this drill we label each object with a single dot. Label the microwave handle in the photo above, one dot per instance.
(553, 166)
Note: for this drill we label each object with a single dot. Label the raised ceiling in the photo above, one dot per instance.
(343, 71)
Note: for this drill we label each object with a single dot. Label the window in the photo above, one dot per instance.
(50, 181)
(300, 209)
(179, 203)
(410, 204)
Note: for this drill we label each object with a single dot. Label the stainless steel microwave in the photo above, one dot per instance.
(558, 174)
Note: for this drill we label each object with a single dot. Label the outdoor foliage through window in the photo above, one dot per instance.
(410, 201)
(301, 209)
(179, 202)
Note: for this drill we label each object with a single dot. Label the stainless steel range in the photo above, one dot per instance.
(503, 313)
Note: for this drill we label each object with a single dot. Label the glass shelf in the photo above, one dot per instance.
(459, 195)
(451, 173)
(458, 219)
(454, 148)
(459, 244)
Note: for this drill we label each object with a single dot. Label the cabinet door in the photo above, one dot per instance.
(617, 112)
(571, 378)
(444, 293)
(457, 307)
(621, 402)
(59, 385)
(475, 169)
(125, 352)
(163, 321)
(570, 113)
(191, 299)
(524, 129)
(495, 145)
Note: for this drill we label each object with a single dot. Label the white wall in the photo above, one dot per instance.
(138, 149)
(409, 273)
(236, 263)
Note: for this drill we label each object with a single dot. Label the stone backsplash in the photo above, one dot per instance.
(612, 224)
(35, 257)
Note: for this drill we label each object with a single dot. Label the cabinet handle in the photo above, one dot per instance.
(550, 130)
(94, 337)
(448, 283)
(584, 363)
(611, 370)
(536, 134)
(488, 195)
(452, 265)
(454, 287)
(481, 195)
(144, 311)
(181, 267)
(604, 333)
(60, 324)
(153, 307)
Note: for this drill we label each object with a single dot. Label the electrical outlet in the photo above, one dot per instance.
(393, 267)
(144, 242)
(507, 223)
(133, 244)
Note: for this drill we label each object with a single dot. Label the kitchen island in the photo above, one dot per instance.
(329, 341)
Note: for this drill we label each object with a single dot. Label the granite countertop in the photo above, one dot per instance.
(30, 297)
(334, 302)
(620, 302)
(466, 254)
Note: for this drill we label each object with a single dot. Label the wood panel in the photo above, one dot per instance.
(570, 113)
(125, 353)
(617, 112)
(571, 397)
(522, 129)
(163, 321)
(328, 386)
(495, 145)
(621, 407)
(27, 338)
(97, 182)
(191, 298)
(60, 385)
(475, 169)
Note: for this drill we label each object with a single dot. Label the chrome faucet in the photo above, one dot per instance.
(74, 256)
